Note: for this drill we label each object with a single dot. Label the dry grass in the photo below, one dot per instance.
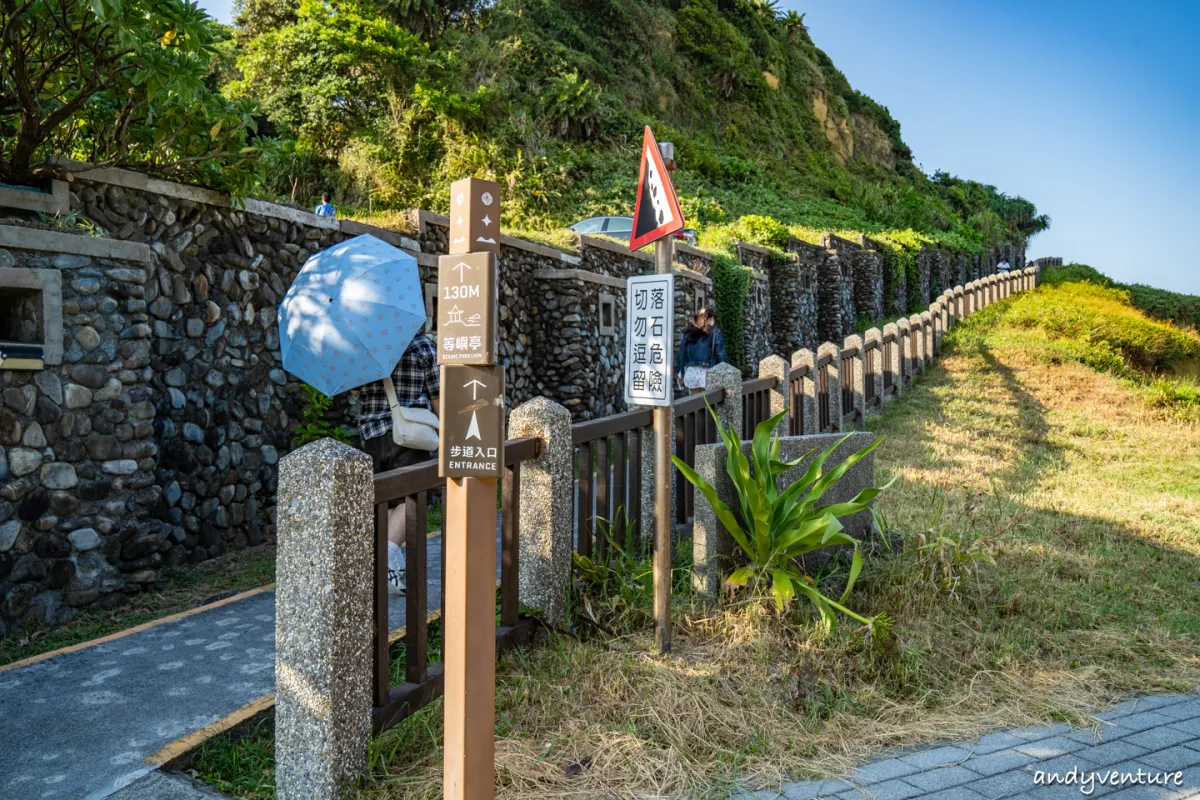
(1093, 499)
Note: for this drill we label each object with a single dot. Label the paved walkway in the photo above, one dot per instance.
(81, 724)
(1158, 734)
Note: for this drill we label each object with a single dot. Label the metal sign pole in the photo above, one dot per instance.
(470, 458)
(663, 265)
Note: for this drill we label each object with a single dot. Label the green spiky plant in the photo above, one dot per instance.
(774, 528)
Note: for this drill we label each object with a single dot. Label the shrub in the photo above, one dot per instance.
(773, 528)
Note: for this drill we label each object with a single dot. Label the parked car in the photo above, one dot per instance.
(620, 228)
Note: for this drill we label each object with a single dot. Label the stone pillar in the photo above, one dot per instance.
(775, 367)
(927, 339)
(935, 327)
(808, 397)
(895, 360)
(729, 412)
(907, 361)
(834, 395)
(646, 434)
(546, 525)
(960, 308)
(323, 620)
(874, 335)
(859, 385)
(917, 331)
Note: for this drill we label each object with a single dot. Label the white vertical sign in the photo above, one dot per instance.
(649, 321)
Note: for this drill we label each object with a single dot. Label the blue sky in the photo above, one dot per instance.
(1089, 109)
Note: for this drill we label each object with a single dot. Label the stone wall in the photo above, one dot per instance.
(152, 437)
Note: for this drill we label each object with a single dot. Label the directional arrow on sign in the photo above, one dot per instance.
(475, 386)
(473, 428)
(462, 267)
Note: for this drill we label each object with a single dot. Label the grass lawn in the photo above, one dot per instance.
(182, 588)
(1082, 491)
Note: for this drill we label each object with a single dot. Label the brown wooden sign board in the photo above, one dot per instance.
(472, 422)
(467, 302)
(474, 216)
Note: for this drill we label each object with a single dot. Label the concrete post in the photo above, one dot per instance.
(834, 382)
(546, 524)
(729, 412)
(895, 360)
(917, 329)
(935, 328)
(859, 385)
(646, 435)
(927, 339)
(808, 395)
(323, 614)
(775, 367)
(876, 374)
(907, 361)
(960, 309)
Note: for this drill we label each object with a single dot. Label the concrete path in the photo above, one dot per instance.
(82, 723)
(1158, 735)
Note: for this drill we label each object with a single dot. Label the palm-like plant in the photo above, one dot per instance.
(774, 528)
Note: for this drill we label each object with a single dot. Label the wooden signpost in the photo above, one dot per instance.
(470, 458)
(656, 217)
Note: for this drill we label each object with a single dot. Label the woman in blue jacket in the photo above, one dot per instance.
(702, 348)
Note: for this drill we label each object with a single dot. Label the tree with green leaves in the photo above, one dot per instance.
(117, 83)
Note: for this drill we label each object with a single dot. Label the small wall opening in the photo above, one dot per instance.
(608, 313)
(21, 315)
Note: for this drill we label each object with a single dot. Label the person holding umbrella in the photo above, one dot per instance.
(353, 318)
(415, 383)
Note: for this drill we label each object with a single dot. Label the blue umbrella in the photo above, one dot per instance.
(349, 315)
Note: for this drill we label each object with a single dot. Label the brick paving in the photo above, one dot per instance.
(1157, 734)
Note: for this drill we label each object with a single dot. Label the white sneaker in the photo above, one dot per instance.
(395, 569)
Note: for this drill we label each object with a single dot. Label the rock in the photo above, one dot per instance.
(212, 312)
(58, 475)
(29, 567)
(8, 535)
(270, 454)
(34, 437)
(10, 428)
(214, 379)
(177, 398)
(89, 376)
(127, 275)
(48, 412)
(35, 504)
(124, 466)
(6, 259)
(193, 433)
(63, 503)
(247, 280)
(214, 333)
(87, 337)
(3, 464)
(17, 601)
(111, 391)
(278, 377)
(195, 328)
(162, 308)
(139, 546)
(50, 385)
(67, 261)
(84, 539)
(172, 493)
(52, 546)
(143, 577)
(77, 396)
(103, 448)
(20, 399)
(175, 377)
(22, 461)
(80, 596)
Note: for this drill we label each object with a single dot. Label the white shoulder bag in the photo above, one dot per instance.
(415, 428)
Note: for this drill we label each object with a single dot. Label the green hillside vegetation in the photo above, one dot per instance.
(1181, 309)
(387, 103)
(1079, 315)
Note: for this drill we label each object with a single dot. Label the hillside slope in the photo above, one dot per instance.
(385, 103)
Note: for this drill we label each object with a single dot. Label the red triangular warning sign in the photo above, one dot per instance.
(656, 213)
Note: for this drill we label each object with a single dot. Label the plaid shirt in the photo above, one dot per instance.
(417, 381)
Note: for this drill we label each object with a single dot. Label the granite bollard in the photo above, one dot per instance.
(546, 520)
(323, 616)
(775, 367)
